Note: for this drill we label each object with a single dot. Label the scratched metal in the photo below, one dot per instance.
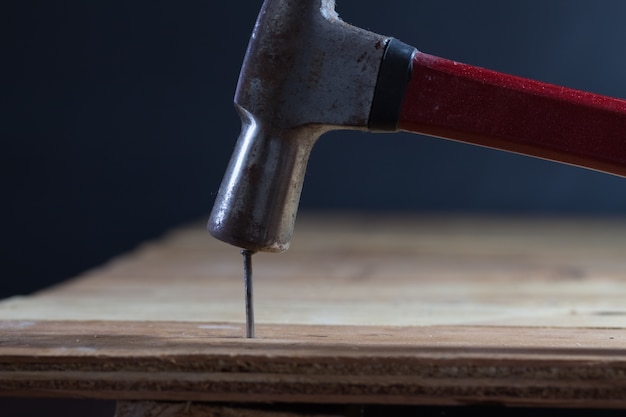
(305, 72)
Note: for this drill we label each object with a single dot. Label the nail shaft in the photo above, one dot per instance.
(247, 282)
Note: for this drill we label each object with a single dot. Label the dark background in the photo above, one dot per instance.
(116, 120)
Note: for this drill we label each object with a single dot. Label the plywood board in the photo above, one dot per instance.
(362, 309)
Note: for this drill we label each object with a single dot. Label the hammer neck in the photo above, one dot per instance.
(393, 78)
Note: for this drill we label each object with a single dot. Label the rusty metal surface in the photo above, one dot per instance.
(306, 66)
(305, 72)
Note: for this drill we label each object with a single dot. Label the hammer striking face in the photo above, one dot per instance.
(307, 72)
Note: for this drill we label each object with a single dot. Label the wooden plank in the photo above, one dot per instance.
(193, 409)
(362, 309)
(328, 364)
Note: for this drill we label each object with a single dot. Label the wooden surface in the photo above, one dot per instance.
(362, 309)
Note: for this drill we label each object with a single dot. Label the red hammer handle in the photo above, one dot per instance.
(470, 104)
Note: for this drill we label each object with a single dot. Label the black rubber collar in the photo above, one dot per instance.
(393, 78)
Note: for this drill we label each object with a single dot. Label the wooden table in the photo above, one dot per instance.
(363, 309)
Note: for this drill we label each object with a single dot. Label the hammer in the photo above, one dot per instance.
(307, 72)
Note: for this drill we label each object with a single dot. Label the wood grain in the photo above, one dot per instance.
(362, 309)
(194, 409)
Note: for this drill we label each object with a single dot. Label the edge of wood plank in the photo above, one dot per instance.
(178, 361)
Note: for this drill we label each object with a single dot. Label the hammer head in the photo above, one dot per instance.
(305, 72)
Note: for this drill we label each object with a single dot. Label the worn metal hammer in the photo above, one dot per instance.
(307, 72)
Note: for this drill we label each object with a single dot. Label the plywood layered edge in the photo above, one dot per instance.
(173, 361)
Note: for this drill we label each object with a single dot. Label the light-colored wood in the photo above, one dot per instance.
(362, 309)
